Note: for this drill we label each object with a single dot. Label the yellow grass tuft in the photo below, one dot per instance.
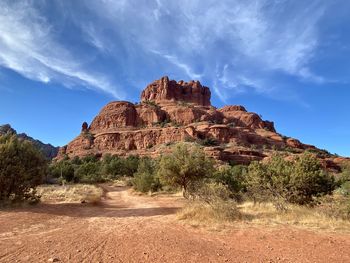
(299, 216)
(203, 213)
(248, 213)
(70, 193)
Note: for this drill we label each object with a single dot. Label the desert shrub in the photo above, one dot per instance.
(184, 166)
(89, 172)
(208, 142)
(335, 206)
(131, 165)
(70, 193)
(234, 178)
(298, 181)
(111, 166)
(189, 139)
(209, 192)
(114, 167)
(344, 189)
(76, 161)
(309, 180)
(145, 179)
(89, 159)
(63, 169)
(211, 202)
(22, 168)
(344, 176)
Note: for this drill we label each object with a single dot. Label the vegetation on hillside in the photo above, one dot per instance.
(22, 168)
(219, 191)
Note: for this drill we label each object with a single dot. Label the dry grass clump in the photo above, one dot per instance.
(204, 213)
(260, 214)
(70, 193)
(295, 215)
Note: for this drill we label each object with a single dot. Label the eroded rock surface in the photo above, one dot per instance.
(164, 91)
(172, 111)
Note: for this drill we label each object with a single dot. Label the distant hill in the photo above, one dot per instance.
(48, 150)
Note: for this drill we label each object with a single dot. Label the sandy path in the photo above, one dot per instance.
(127, 228)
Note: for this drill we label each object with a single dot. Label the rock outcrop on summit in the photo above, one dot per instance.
(164, 91)
(171, 112)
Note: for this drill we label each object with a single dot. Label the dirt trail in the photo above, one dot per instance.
(128, 228)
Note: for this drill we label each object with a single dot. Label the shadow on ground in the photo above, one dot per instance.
(88, 210)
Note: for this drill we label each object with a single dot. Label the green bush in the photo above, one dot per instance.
(89, 172)
(298, 181)
(185, 165)
(63, 169)
(114, 167)
(145, 179)
(344, 176)
(22, 168)
(210, 193)
(211, 201)
(344, 189)
(335, 206)
(234, 177)
(208, 142)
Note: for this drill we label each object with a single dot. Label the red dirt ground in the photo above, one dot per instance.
(128, 228)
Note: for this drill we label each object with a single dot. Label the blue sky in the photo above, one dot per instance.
(61, 61)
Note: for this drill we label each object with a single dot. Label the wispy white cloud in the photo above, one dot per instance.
(249, 40)
(175, 61)
(232, 45)
(28, 46)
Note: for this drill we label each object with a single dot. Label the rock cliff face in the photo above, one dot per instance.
(173, 111)
(165, 91)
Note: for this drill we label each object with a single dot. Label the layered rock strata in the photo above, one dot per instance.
(171, 112)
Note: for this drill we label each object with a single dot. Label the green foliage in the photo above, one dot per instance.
(344, 189)
(22, 168)
(320, 152)
(233, 177)
(208, 142)
(145, 179)
(114, 167)
(63, 169)
(89, 159)
(161, 124)
(189, 139)
(209, 192)
(344, 176)
(279, 180)
(89, 172)
(335, 206)
(212, 201)
(185, 165)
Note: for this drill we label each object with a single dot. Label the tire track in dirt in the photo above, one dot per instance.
(130, 228)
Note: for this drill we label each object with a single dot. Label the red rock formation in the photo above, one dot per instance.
(173, 111)
(238, 115)
(165, 91)
(147, 115)
(114, 115)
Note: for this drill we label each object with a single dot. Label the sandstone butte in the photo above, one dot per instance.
(171, 112)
